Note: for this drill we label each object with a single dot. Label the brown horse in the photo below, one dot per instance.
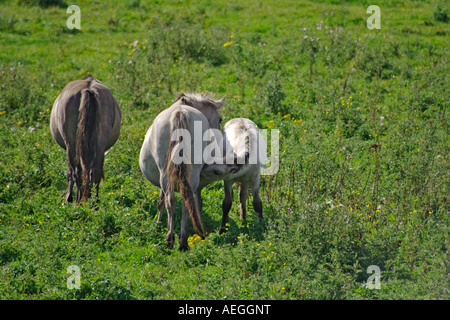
(85, 121)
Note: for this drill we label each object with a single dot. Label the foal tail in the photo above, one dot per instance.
(178, 173)
(87, 154)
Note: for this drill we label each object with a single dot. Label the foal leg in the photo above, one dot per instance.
(257, 203)
(243, 196)
(226, 204)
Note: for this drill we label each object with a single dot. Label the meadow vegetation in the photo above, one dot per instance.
(364, 149)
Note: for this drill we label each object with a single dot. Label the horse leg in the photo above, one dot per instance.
(96, 190)
(71, 173)
(194, 182)
(257, 203)
(69, 197)
(170, 207)
(160, 206)
(226, 204)
(95, 202)
(78, 179)
(96, 175)
(184, 228)
(76, 174)
(199, 200)
(243, 196)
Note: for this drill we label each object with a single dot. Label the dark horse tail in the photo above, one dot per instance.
(178, 173)
(87, 154)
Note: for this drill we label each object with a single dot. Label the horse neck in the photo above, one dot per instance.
(208, 112)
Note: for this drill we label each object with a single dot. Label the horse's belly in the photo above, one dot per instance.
(148, 164)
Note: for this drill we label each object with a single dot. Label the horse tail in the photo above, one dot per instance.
(177, 172)
(86, 143)
(244, 145)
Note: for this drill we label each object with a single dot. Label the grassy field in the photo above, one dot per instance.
(364, 149)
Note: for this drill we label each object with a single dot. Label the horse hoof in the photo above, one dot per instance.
(169, 242)
(69, 199)
(184, 247)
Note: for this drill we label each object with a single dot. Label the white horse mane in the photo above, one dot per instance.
(191, 98)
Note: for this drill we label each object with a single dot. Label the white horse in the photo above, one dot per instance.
(163, 165)
(85, 121)
(245, 146)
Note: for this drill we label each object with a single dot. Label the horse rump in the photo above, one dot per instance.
(89, 159)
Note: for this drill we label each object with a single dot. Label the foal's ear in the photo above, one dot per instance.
(220, 103)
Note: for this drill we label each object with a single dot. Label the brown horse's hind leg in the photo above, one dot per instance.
(69, 197)
(94, 203)
(96, 176)
(77, 177)
(71, 172)
(96, 190)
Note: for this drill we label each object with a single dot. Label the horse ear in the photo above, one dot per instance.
(186, 101)
(219, 103)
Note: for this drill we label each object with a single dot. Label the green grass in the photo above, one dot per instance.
(363, 118)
